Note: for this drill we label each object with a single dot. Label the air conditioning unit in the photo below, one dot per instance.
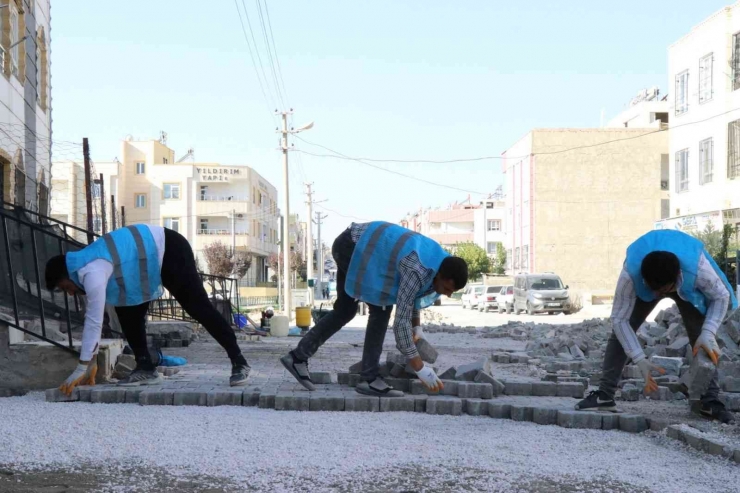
(240, 216)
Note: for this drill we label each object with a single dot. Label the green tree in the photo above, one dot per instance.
(499, 262)
(476, 258)
(717, 243)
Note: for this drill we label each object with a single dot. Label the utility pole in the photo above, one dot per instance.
(286, 217)
(113, 212)
(233, 231)
(88, 190)
(320, 267)
(309, 240)
(102, 202)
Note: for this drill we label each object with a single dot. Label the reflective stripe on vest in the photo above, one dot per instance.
(390, 270)
(117, 272)
(371, 244)
(143, 265)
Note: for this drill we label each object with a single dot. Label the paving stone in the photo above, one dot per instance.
(189, 398)
(731, 401)
(420, 403)
(391, 404)
(396, 358)
(700, 374)
(630, 393)
(251, 397)
(267, 399)
(731, 384)
(470, 371)
(354, 379)
(544, 388)
(661, 394)
(499, 410)
(224, 398)
(657, 424)
(343, 378)
(609, 421)
(570, 389)
(364, 403)
(672, 366)
(330, 401)
(450, 388)
(131, 396)
(675, 432)
(483, 377)
(579, 419)
(84, 392)
(156, 398)
(448, 374)
(356, 368)
(521, 412)
(321, 377)
(517, 388)
(56, 395)
(444, 405)
(544, 416)
(108, 395)
(503, 358)
(632, 423)
(292, 401)
(475, 407)
(472, 390)
(736, 456)
(426, 351)
(714, 447)
(677, 348)
(402, 384)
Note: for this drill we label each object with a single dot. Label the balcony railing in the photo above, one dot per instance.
(223, 198)
(219, 232)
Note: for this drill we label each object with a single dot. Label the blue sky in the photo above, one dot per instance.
(380, 79)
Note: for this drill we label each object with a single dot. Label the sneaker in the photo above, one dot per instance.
(715, 410)
(141, 377)
(595, 400)
(299, 370)
(239, 375)
(377, 388)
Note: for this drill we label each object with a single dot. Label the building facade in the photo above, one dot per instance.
(575, 198)
(25, 112)
(205, 202)
(488, 228)
(704, 69)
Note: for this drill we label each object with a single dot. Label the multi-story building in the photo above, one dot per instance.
(488, 229)
(205, 202)
(704, 70)
(25, 112)
(575, 198)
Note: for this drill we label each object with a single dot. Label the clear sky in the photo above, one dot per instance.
(380, 79)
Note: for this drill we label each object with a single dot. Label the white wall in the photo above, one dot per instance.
(517, 185)
(481, 236)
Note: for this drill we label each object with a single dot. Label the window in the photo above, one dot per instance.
(172, 190)
(706, 161)
(494, 225)
(516, 259)
(682, 92)
(97, 224)
(508, 258)
(140, 168)
(203, 225)
(42, 70)
(682, 170)
(735, 62)
(706, 65)
(203, 192)
(525, 257)
(165, 160)
(140, 200)
(14, 37)
(492, 247)
(96, 189)
(664, 172)
(733, 149)
(172, 223)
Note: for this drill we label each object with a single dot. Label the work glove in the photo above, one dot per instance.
(430, 379)
(646, 367)
(417, 333)
(84, 374)
(708, 342)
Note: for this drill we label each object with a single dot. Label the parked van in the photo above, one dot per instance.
(540, 293)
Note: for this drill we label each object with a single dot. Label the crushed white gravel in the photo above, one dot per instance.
(321, 451)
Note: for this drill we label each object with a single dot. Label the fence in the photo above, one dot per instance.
(223, 293)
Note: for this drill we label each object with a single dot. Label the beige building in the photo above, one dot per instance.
(573, 209)
(205, 202)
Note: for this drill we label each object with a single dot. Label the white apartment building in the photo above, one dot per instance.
(25, 109)
(488, 227)
(205, 202)
(704, 70)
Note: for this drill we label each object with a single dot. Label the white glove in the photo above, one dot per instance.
(646, 367)
(708, 342)
(417, 333)
(430, 379)
(84, 374)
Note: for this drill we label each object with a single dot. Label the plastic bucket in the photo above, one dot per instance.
(279, 326)
(303, 317)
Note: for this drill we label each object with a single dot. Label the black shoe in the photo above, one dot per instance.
(377, 388)
(239, 375)
(299, 370)
(716, 410)
(597, 401)
(141, 377)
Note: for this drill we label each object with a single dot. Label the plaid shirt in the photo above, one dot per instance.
(413, 277)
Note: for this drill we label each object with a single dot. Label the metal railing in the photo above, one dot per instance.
(220, 232)
(252, 301)
(223, 198)
(223, 293)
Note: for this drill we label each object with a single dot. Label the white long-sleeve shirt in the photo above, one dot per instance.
(94, 279)
(707, 282)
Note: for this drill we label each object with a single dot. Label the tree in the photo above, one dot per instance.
(218, 259)
(499, 263)
(275, 262)
(717, 243)
(476, 258)
(241, 261)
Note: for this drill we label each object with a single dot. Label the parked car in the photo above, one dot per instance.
(505, 299)
(538, 293)
(488, 299)
(470, 296)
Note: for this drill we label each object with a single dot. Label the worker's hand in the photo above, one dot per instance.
(708, 343)
(417, 333)
(84, 374)
(646, 367)
(430, 379)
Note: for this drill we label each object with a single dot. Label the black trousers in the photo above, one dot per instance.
(180, 277)
(345, 309)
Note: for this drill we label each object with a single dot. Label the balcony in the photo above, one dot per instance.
(220, 232)
(223, 198)
(451, 238)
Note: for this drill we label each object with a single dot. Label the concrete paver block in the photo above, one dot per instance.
(570, 389)
(469, 371)
(354, 379)
(84, 391)
(224, 398)
(156, 398)
(701, 372)
(472, 390)
(448, 374)
(483, 377)
(544, 388)
(251, 397)
(544, 416)
(521, 412)
(343, 378)
(444, 405)
(633, 423)
(56, 395)
(131, 396)
(321, 377)
(108, 395)
(499, 410)
(731, 384)
(189, 398)
(392, 404)
(402, 384)
(579, 419)
(610, 421)
(330, 401)
(426, 351)
(517, 388)
(420, 403)
(475, 407)
(267, 399)
(356, 368)
(290, 401)
(362, 403)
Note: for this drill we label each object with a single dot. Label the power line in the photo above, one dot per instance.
(348, 216)
(269, 54)
(274, 47)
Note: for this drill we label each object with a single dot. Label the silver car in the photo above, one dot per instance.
(540, 293)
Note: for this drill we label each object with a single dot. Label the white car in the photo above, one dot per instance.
(505, 300)
(471, 296)
(488, 299)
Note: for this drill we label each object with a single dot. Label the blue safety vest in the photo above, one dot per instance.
(373, 270)
(136, 275)
(688, 250)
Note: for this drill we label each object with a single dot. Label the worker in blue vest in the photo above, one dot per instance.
(382, 265)
(665, 264)
(128, 268)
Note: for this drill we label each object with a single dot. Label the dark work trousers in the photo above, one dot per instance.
(345, 309)
(180, 277)
(615, 358)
